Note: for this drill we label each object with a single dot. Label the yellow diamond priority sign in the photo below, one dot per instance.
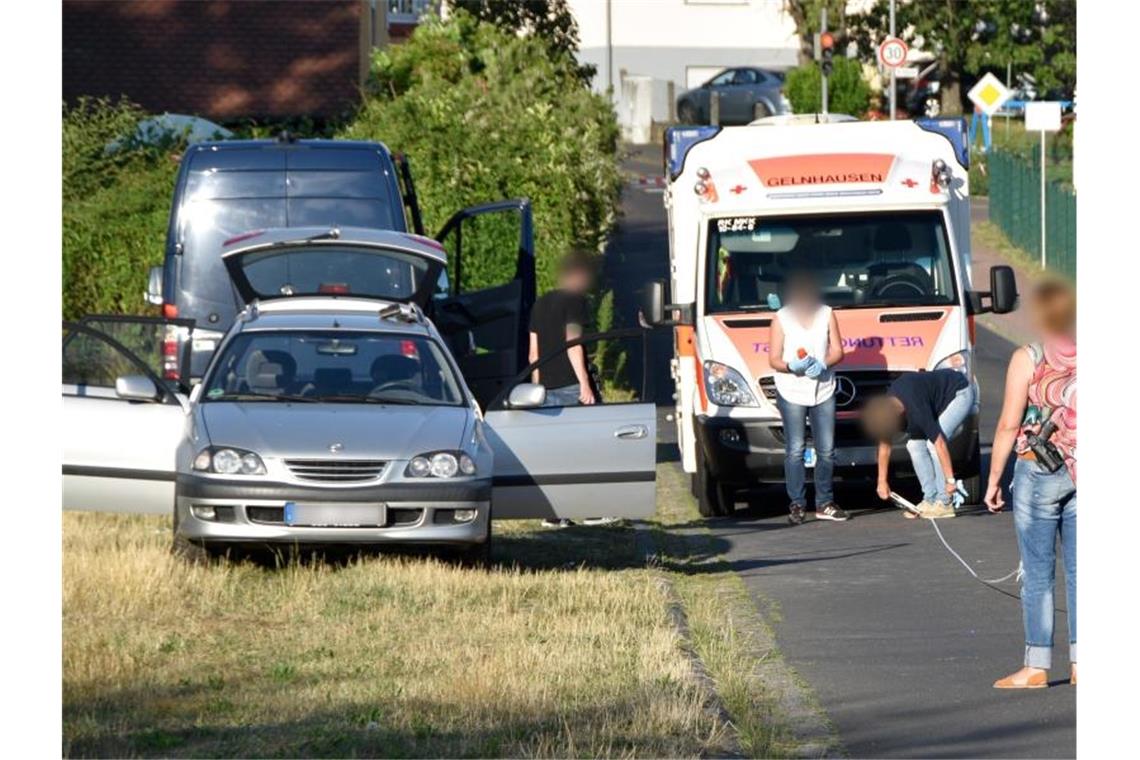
(989, 94)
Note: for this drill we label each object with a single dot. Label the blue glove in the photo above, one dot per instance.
(959, 497)
(815, 368)
(799, 366)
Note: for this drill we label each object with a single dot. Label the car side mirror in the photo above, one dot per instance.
(1003, 289)
(527, 396)
(136, 388)
(654, 307)
(154, 286)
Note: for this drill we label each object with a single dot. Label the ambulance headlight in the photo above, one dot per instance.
(727, 387)
(958, 361)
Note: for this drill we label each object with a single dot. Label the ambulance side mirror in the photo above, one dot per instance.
(654, 309)
(1003, 289)
(1002, 294)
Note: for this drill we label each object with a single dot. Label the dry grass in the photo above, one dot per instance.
(375, 656)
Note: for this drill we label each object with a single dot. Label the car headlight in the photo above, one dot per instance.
(441, 464)
(727, 387)
(958, 361)
(225, 460)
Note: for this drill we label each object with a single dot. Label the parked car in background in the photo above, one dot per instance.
(923, 94)
(746, 93)
(333, 412)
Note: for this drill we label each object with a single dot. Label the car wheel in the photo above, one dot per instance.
(687, 114)
(185, 549)
(760, 111)
(932, 107)
(477, 556)
(714, 499)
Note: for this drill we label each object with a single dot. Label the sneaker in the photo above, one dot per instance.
(601, 521)
(551, 523)
(936, 510)
(831, 511)
(796, 514)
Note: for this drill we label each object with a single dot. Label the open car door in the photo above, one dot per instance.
(483, 316)
(575, 461)
(123, 421)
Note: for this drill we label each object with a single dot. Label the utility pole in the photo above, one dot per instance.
(894, 87)
(823, 71)
(610, 49)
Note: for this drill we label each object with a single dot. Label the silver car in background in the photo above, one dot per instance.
(334, 412)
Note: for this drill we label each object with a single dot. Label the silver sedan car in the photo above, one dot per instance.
(333, 412)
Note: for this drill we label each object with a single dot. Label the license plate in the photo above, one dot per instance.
(809, 456)
(334, 515)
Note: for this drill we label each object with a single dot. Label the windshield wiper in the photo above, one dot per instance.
(351, 399)
(251, 396)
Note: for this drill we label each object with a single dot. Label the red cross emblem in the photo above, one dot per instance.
(910, 182)
(738, 189)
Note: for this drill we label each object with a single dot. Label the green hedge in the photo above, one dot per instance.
(115, 208)
(847, 91)
(483, 115)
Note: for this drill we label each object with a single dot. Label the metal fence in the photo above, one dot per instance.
(1015, 207)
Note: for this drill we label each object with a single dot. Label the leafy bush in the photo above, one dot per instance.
(115, 206)
(483, 115)
(847, 91)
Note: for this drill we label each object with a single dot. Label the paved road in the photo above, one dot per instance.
(897, 641)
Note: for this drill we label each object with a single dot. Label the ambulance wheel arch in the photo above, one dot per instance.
(573, 461)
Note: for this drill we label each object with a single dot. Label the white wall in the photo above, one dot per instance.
(681, 41)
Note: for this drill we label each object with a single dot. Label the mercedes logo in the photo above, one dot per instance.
(335, 448)
(844, 390)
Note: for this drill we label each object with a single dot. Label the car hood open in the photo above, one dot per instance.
(364, 431)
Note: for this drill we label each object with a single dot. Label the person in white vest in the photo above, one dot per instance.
(805, 345)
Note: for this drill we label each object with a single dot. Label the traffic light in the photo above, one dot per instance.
(827, 50)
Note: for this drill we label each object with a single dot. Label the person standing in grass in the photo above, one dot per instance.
(558, 317)
(805, 345)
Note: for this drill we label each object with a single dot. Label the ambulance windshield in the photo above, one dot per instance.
(893, 258)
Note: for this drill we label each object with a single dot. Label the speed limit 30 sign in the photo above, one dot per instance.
(892, 52)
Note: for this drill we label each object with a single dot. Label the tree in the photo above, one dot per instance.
(847, 91)
(806, 15)
(969, 39)
(550, 20)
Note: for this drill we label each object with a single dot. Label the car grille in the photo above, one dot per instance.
(867, 383)
(336, 470)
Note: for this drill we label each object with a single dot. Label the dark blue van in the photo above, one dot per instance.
(229, 188)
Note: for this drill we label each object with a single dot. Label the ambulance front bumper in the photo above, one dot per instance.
(740, 450)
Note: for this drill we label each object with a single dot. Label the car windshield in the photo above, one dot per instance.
(897, 258)
(334, 366)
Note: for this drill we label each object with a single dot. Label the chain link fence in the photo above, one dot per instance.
(1015, 207)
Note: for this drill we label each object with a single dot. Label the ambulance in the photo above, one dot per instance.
(879, 213)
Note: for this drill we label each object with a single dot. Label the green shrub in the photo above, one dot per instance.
(115, 208)
(847, 91)
(484, 115)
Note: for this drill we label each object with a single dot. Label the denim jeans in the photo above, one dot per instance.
(1045, 505)
(922, 453)
(795, 432)
(567, 395)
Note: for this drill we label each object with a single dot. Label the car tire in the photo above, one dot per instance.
(714, 499)
(687, 114)
(185, 549)
(932, 108)
(477, 556)
(760, 110)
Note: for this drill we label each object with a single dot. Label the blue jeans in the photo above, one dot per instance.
(922, 454)
(567, 395)
(795, 432)
(1045, 505)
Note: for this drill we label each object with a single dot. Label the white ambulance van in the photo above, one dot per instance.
(879, 212)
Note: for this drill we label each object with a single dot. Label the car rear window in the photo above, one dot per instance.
(228, 193)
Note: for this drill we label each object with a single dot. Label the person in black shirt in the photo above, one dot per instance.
(929, 407)
(560, 316)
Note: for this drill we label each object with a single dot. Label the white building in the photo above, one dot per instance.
(641, 46)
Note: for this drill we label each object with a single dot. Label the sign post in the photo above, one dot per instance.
(894, 84)
(1043, 116)
(988, 95)
(892, 54)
